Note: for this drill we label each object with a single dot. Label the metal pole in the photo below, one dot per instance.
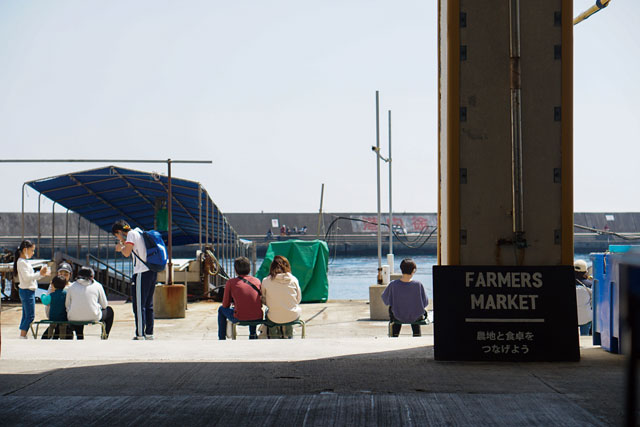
(207, 219)
(254, 255)
(225, 247)
(169, 219)
(222, 247)
(600, 4)
(215, 234)
(99, 161)
(66, 233)
(78, 240)
(99, 243)
(200, 216)
(23, 210)
(320, 212)
(378, 178)
(38, 247)
(390, 198)
(516, 124)
(88, 241)
(53, 229)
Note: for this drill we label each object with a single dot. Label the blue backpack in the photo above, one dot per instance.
(156, 251)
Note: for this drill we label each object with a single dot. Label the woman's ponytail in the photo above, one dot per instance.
(24, 244)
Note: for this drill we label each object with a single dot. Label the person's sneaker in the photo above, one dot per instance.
(149, 337)
(23, 337)
(138, 338)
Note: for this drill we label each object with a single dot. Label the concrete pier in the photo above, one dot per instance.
(347, 372)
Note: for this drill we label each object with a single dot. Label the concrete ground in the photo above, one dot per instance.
(347, 372)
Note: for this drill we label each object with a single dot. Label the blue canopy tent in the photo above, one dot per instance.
(105, 195)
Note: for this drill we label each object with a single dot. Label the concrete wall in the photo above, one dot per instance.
(258, 223)
(11, 224)
(353, 238)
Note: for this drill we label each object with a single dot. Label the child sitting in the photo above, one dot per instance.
(406, 299)
(56, 310)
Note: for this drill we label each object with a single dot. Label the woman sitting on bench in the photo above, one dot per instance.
(87, 302)
(406, 300)
(282, 295)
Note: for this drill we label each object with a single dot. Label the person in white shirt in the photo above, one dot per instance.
(131, 243)
(28, 283)
(87, 302)
(282, 295)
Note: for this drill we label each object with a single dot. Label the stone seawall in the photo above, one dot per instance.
(355, 235)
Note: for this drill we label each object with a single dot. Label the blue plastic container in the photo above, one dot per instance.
(623, 248)
(606, 301)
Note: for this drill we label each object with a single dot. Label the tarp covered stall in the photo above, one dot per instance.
(309, 262)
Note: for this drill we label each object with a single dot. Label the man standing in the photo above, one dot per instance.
(132, 241)
(583, 296)
(244, 292)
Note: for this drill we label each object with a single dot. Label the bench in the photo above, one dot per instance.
(269, 324)
(103, 335)
(423, 322)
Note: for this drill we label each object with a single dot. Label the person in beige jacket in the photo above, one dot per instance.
(282, 295)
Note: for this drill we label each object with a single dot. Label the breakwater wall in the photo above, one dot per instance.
(356, 235)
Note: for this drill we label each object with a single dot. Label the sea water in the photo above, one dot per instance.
(350, 277)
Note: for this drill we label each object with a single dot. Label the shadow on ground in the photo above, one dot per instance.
(405, 387)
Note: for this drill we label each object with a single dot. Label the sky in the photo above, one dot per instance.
(280, 95)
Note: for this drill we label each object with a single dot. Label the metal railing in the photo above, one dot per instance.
(111, 273)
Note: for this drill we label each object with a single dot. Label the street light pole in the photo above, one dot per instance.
(390, 259)
(377, 150)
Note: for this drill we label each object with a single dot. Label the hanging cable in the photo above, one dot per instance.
(418, 242)
(607, 232)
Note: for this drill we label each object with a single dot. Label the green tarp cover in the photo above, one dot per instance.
(309, 261)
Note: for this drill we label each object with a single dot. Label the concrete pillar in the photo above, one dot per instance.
(170, 301)
(475, 209)
(378, 310)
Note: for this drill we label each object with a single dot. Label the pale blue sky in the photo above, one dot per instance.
(280, 95)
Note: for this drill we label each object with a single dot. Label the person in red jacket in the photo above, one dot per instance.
(244, 293)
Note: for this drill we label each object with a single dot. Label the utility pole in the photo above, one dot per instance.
(390, 259)
(377, 150)
(320, 220)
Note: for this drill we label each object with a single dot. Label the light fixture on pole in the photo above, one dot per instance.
(386, 160)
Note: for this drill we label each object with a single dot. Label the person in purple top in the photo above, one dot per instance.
(406, 299)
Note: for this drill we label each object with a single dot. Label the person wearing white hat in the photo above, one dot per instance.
(583, 296)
